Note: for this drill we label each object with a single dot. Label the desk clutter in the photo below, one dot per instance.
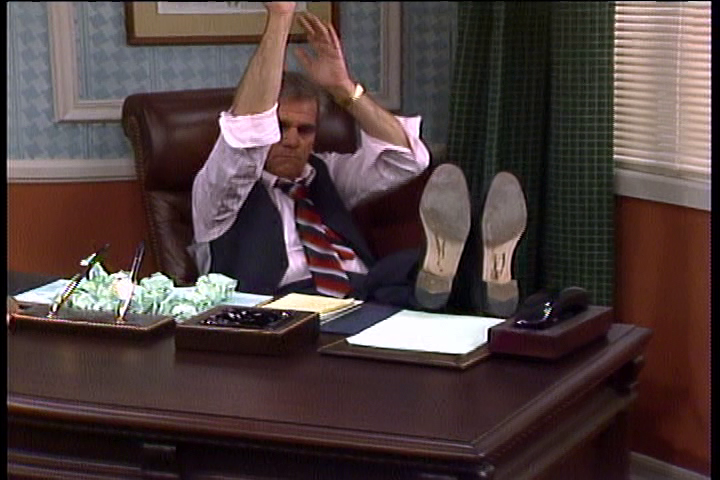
(95, 301)
(212, 316)
(259, 324)
(94, 289)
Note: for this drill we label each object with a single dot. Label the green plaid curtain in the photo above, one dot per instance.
(532, 95)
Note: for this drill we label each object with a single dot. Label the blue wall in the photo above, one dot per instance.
(109, 69)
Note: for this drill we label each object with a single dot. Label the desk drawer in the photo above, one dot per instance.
(41, 450)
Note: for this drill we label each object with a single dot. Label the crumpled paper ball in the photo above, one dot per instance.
(154, 295)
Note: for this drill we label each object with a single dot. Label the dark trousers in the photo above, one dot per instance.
(390, 281)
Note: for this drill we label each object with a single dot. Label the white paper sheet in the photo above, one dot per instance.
(43, 294)
(427, 332)
(241, 299)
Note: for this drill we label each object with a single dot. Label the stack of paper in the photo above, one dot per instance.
(325, 306)
(428, 332)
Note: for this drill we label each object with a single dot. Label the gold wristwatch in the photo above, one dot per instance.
(348, 101)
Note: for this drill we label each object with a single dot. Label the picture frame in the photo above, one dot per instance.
(204, 23)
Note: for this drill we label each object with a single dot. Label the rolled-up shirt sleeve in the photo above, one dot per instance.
(378, 166)
(234, 165)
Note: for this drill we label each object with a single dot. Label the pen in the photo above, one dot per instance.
(137, 260)
(75, 280)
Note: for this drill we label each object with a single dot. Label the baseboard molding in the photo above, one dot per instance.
(643, 467)
(70, 170)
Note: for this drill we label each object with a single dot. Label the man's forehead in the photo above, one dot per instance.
(297, 110)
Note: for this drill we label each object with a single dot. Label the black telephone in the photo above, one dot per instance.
(542, 310)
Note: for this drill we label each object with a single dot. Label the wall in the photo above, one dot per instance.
(107, 69)
(663, 283)
(662, 250)
(52, 226)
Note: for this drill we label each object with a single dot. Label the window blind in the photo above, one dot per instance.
(662, 88)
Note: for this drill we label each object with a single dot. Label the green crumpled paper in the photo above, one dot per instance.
(156, 294)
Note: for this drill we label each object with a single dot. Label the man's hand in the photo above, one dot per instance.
(280, 7)
(327, 67)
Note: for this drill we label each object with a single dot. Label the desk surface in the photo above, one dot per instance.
(305, 398)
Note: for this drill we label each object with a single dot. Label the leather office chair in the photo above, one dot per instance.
(172, 134)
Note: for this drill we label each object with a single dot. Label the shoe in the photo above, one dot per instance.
(445, 217)
(504, 220)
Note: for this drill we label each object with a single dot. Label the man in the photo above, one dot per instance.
(246, 195)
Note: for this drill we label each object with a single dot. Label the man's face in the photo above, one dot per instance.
(298, 123)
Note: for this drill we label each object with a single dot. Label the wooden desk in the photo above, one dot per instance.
(126, 409)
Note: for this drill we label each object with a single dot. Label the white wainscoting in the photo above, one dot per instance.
(70, 170)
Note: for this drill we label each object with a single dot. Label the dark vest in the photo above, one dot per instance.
(253, 249)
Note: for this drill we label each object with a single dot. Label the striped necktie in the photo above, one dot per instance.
(323, 247)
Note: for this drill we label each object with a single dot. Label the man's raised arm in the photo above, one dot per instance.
(260, 85)
(327, 68)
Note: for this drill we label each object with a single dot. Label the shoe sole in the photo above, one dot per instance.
(502, 298)
(445, 217)
(504, 221)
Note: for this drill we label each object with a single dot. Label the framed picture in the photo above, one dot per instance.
(198, 23)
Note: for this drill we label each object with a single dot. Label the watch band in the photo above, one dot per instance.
(347, 102)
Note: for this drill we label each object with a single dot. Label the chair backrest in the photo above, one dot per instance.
(172, 134)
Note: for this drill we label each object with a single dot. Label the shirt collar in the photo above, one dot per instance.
(308, 175)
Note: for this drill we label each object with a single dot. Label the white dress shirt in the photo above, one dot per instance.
(237, 162)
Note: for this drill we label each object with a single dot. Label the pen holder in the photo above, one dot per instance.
(555, 341)
(34, 316)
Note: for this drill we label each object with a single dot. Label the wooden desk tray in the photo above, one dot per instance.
(294, 332)
(460, 362)
(555, 341)
(34, 316)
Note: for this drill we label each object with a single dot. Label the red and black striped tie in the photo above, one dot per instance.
(323, 247)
